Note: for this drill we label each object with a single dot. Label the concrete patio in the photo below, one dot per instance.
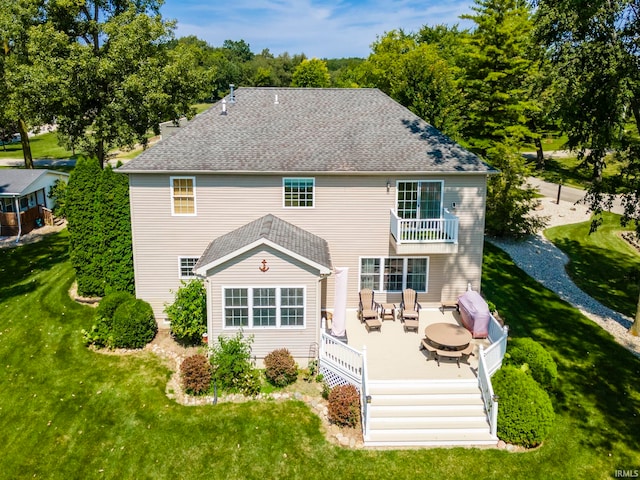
(393, 354)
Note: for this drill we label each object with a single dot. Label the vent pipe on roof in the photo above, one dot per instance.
(275, 102)
(232, 97)
(224, 107)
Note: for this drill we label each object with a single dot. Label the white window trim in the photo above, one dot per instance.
(398, 182)
(180, 275)
(313, 191)
(195, 203)
(404, 272)
(278, 325)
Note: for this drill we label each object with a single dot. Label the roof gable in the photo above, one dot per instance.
(16, 181)
(307, 130)
(270, 231)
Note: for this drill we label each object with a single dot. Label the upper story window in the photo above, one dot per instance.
(186, 267)
(420, 199)
(298, 192)
(183, 195)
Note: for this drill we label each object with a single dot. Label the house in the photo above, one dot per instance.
(271, 189)
(24, 199)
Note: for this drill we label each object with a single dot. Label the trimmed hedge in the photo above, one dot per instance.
(280, 368)
(133, 325)
(527, 353)
(525, 412)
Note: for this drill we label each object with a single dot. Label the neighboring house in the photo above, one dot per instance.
(24, 198)
(264, 194)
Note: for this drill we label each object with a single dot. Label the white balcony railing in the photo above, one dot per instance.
(425, 230)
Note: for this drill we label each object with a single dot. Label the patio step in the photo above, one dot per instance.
(419, 411)
(426, 413)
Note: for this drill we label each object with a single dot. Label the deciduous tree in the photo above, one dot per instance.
(311, 73)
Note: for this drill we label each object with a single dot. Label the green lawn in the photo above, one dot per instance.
(44, 145)
(67, 412)
(566, 170)
(601, 264)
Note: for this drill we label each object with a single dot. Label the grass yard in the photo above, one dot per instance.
(601, 264)
(566, 170)
(44, 145)
(67, 412)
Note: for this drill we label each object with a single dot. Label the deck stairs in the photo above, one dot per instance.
(426, 413)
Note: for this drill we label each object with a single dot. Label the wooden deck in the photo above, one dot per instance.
(393, 354)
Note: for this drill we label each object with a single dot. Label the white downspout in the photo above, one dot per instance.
(17, 203)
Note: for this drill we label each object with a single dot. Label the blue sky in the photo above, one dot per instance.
(317, 28)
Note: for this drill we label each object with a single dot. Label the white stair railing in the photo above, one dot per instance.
(488, 397)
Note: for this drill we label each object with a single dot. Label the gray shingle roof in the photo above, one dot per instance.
(16, 181)
(308, 130)
(273, 229)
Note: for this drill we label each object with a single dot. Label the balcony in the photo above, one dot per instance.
(416, 236)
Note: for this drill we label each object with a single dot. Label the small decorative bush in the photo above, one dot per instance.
(101, 333)
(196, 374)
(525, 412)
(527, 353)
(188, 313)
(133, 325)
(326, 390)
(232, 367)
(108, 305)
(280, 368)
(344, 405)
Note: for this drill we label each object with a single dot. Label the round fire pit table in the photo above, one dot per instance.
(448, 336)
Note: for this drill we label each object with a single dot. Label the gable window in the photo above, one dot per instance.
(183, 195)
(298, 192)
(420, 199)
(186, 267)
(264, 307)
(394, 274)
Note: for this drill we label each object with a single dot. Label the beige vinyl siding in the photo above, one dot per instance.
(244, 271)
(351, 213)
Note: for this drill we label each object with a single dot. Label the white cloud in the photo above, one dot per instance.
(329, 28)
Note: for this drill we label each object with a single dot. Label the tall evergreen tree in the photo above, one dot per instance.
(113, 220)
(85, 250)
(496, 67)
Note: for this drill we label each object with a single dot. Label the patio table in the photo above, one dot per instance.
(447, 336)
(388, 311)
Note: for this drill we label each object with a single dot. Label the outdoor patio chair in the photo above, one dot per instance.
(410, 310)
(368, 311)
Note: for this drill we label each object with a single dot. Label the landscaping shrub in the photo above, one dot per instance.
(525, 412)
(196, 374)
(344, 405)
(280, 368)
(188, 313)
(133, 325)
(108, 305)
(101, 331)
(231, 362)
(527, 353)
